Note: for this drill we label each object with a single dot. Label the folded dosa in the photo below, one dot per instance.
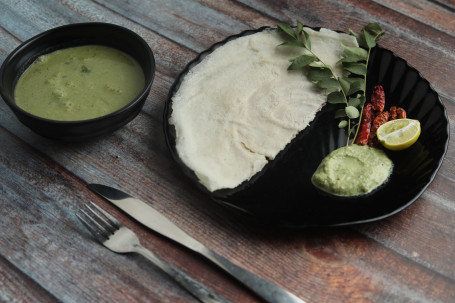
(240, 106)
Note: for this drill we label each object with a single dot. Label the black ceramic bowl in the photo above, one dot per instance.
(69, 36)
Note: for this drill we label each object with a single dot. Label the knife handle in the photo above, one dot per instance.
(200, 291)
(265, 289)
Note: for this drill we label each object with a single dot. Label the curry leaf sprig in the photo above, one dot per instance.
(349, 91)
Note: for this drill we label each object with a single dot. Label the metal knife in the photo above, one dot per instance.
(154, 220)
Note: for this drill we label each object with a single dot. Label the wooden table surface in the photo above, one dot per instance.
(46, 255)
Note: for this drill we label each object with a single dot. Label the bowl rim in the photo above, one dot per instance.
(24, 45)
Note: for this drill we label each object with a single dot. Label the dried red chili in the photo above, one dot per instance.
(393, 113)
(365, 126)
(380, 119)
(378, 98)
(401, 113)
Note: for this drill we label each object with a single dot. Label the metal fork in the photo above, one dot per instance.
(118, 238)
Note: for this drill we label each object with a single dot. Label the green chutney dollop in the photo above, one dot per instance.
(79, 83)
(352, 170)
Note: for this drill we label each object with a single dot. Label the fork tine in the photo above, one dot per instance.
(111, 221)
(91, 225)
(99, 222)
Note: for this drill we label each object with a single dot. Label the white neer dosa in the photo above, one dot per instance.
(240, 106)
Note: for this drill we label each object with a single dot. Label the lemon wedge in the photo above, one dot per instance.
(399, 134)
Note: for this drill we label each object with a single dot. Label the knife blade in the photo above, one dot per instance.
(154, 220)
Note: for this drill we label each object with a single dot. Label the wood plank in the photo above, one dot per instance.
(25, 19)
(410, 229)
(18, 287)
(447, 4)
(424, 11)
(448, 168)
(178, 19)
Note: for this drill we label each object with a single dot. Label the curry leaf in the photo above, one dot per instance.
(301, 61)
(360, 39)
(299, 29)
(287, 29)
(336, 97)
(354, 102)
(316, 74)
(345, 85)
(352, 112)
(369, 38)
(342, 124)
(356, 68)
(307, 40)
(356, 86)
(375, 30)
(373, 27)
(353, 51)
(328, 83)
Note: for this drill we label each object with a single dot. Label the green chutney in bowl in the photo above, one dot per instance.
(79, 83)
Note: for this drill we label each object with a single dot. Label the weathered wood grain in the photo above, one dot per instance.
(426, 12)
(18, 287)
(407, 257)
(174, 18)
(446, 4)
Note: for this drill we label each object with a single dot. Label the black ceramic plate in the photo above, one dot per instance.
(282, 192)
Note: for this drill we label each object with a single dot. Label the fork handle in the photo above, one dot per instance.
(200, 291)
